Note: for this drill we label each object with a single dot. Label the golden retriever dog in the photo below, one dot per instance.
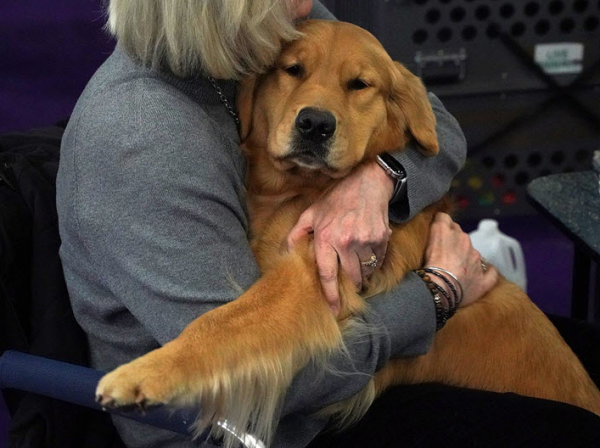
(237, 360)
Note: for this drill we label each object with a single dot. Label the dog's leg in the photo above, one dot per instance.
(405, 253)
(502, 343)
(236, 361)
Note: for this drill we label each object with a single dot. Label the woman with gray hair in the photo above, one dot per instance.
(150, 195)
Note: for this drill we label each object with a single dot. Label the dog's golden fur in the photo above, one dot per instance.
(238, 360)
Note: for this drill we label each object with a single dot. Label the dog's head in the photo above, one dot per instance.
(333, 99)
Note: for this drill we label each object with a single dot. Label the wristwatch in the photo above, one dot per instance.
(396, 171)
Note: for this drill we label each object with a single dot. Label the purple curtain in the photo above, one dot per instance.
(49, 49)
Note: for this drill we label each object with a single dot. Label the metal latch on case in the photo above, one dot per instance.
(441, 67)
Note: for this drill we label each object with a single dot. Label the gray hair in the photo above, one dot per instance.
(222, 38)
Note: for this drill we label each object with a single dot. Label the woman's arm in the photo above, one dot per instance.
(428, 179)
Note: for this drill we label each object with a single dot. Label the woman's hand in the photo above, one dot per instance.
(450, 248)
(350, 223)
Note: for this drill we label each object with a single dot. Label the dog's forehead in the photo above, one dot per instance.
(338, 43)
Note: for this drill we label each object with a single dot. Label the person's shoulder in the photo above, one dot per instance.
(133, 121)
(125, 110)
(138, 102)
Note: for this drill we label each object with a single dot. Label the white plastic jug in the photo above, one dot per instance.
(502, 251)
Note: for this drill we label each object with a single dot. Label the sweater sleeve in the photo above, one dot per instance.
(319, 11)
(428, 178)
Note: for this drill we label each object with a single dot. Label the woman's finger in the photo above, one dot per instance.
(443, 218)
(327, 263)
(491, 277)
(350, 263)
(365, 255)
(380, 250)
(303, 227)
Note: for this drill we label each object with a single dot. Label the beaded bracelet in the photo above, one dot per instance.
(453, 304)
(441, 312)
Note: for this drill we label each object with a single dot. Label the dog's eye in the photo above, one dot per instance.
(295, 70)
(357, 84)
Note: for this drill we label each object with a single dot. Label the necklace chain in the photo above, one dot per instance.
(223, 99)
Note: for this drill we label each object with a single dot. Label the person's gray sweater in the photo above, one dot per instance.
(150, 196)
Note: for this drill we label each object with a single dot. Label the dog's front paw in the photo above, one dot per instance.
(148, 381)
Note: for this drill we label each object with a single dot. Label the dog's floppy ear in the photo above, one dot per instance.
(409, 94)
(245, 104)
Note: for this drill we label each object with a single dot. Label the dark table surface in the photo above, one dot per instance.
(572, 201)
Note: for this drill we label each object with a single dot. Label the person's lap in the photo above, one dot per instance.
(433, 415)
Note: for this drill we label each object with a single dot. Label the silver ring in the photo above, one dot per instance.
(371, 262)
(484, 265)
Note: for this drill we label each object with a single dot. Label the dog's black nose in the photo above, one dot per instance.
(315, 125)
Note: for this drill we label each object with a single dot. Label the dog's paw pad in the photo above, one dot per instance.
(133, 388)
